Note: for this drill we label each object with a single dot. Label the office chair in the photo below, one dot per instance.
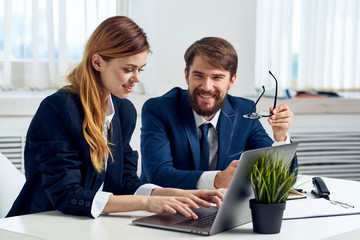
(11, 182)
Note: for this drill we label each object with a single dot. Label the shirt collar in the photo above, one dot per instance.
(199, 120)
(110, 112)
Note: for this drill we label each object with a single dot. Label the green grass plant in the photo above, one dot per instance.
(271, 179)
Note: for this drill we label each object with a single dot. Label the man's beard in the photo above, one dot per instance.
(219, 102)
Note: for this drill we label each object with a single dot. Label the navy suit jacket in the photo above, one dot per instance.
(59, 172)
(170, 152)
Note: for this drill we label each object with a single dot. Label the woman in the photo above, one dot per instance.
(77, 155)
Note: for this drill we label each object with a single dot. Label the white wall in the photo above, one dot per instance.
(172, 26)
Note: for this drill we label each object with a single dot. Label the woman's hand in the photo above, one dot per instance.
(203, 197)
(163, 200)
(171, 204)
(156, 204)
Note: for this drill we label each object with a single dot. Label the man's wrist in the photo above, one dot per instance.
(217, 180)
(283, 138)
(278, 143)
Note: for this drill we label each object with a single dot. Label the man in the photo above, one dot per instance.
(171, 143)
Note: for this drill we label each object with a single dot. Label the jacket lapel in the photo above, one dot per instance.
(188, 121)
(226, 126)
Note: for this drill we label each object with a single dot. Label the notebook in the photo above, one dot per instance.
(234, 210)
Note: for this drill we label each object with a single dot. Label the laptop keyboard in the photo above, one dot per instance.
(204, 221)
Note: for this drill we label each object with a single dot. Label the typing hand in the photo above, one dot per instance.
(162, 204)
(205, 197)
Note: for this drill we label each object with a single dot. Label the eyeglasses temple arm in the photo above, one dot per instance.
(257, 100)
(276, 89)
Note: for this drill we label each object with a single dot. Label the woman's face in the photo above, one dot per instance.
(119, 75)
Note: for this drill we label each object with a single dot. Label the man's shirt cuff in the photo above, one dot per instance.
(278, 143)
(206, 180)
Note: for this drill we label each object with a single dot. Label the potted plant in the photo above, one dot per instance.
(271, 181)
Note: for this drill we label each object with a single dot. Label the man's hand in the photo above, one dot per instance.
(280, 121)
(223, 178)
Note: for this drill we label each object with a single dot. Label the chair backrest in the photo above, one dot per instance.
(11, 182)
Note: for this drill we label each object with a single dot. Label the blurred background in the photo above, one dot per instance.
(312, 47)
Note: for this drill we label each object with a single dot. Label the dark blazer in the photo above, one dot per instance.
(59, 172)
(170, 152)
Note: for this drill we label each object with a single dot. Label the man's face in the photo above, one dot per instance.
(208, 87)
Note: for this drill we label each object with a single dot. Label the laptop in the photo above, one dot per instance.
(234, 210)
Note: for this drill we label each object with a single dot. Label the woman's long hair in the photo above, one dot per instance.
(116, 37)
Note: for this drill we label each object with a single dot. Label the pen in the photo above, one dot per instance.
(300, 190)
(342, 204)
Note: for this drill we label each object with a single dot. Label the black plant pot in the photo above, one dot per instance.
(266, 218)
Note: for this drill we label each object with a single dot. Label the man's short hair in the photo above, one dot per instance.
(216, 51)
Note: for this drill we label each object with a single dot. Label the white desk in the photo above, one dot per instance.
(55, 225)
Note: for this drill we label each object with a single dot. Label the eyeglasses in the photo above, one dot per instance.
(344, 205)
(253, 115)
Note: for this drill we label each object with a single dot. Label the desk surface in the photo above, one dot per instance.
(55, 225)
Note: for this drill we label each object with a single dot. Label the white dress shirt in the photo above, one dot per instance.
(102, 197)
(207, 179)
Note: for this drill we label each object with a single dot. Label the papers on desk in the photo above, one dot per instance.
(307, 208)
(295, 195)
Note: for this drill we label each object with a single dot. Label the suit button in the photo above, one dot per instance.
(81, 202)
(87, 204)
(73, 201)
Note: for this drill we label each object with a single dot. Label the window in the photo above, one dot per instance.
(309, 45)
(41, 39)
